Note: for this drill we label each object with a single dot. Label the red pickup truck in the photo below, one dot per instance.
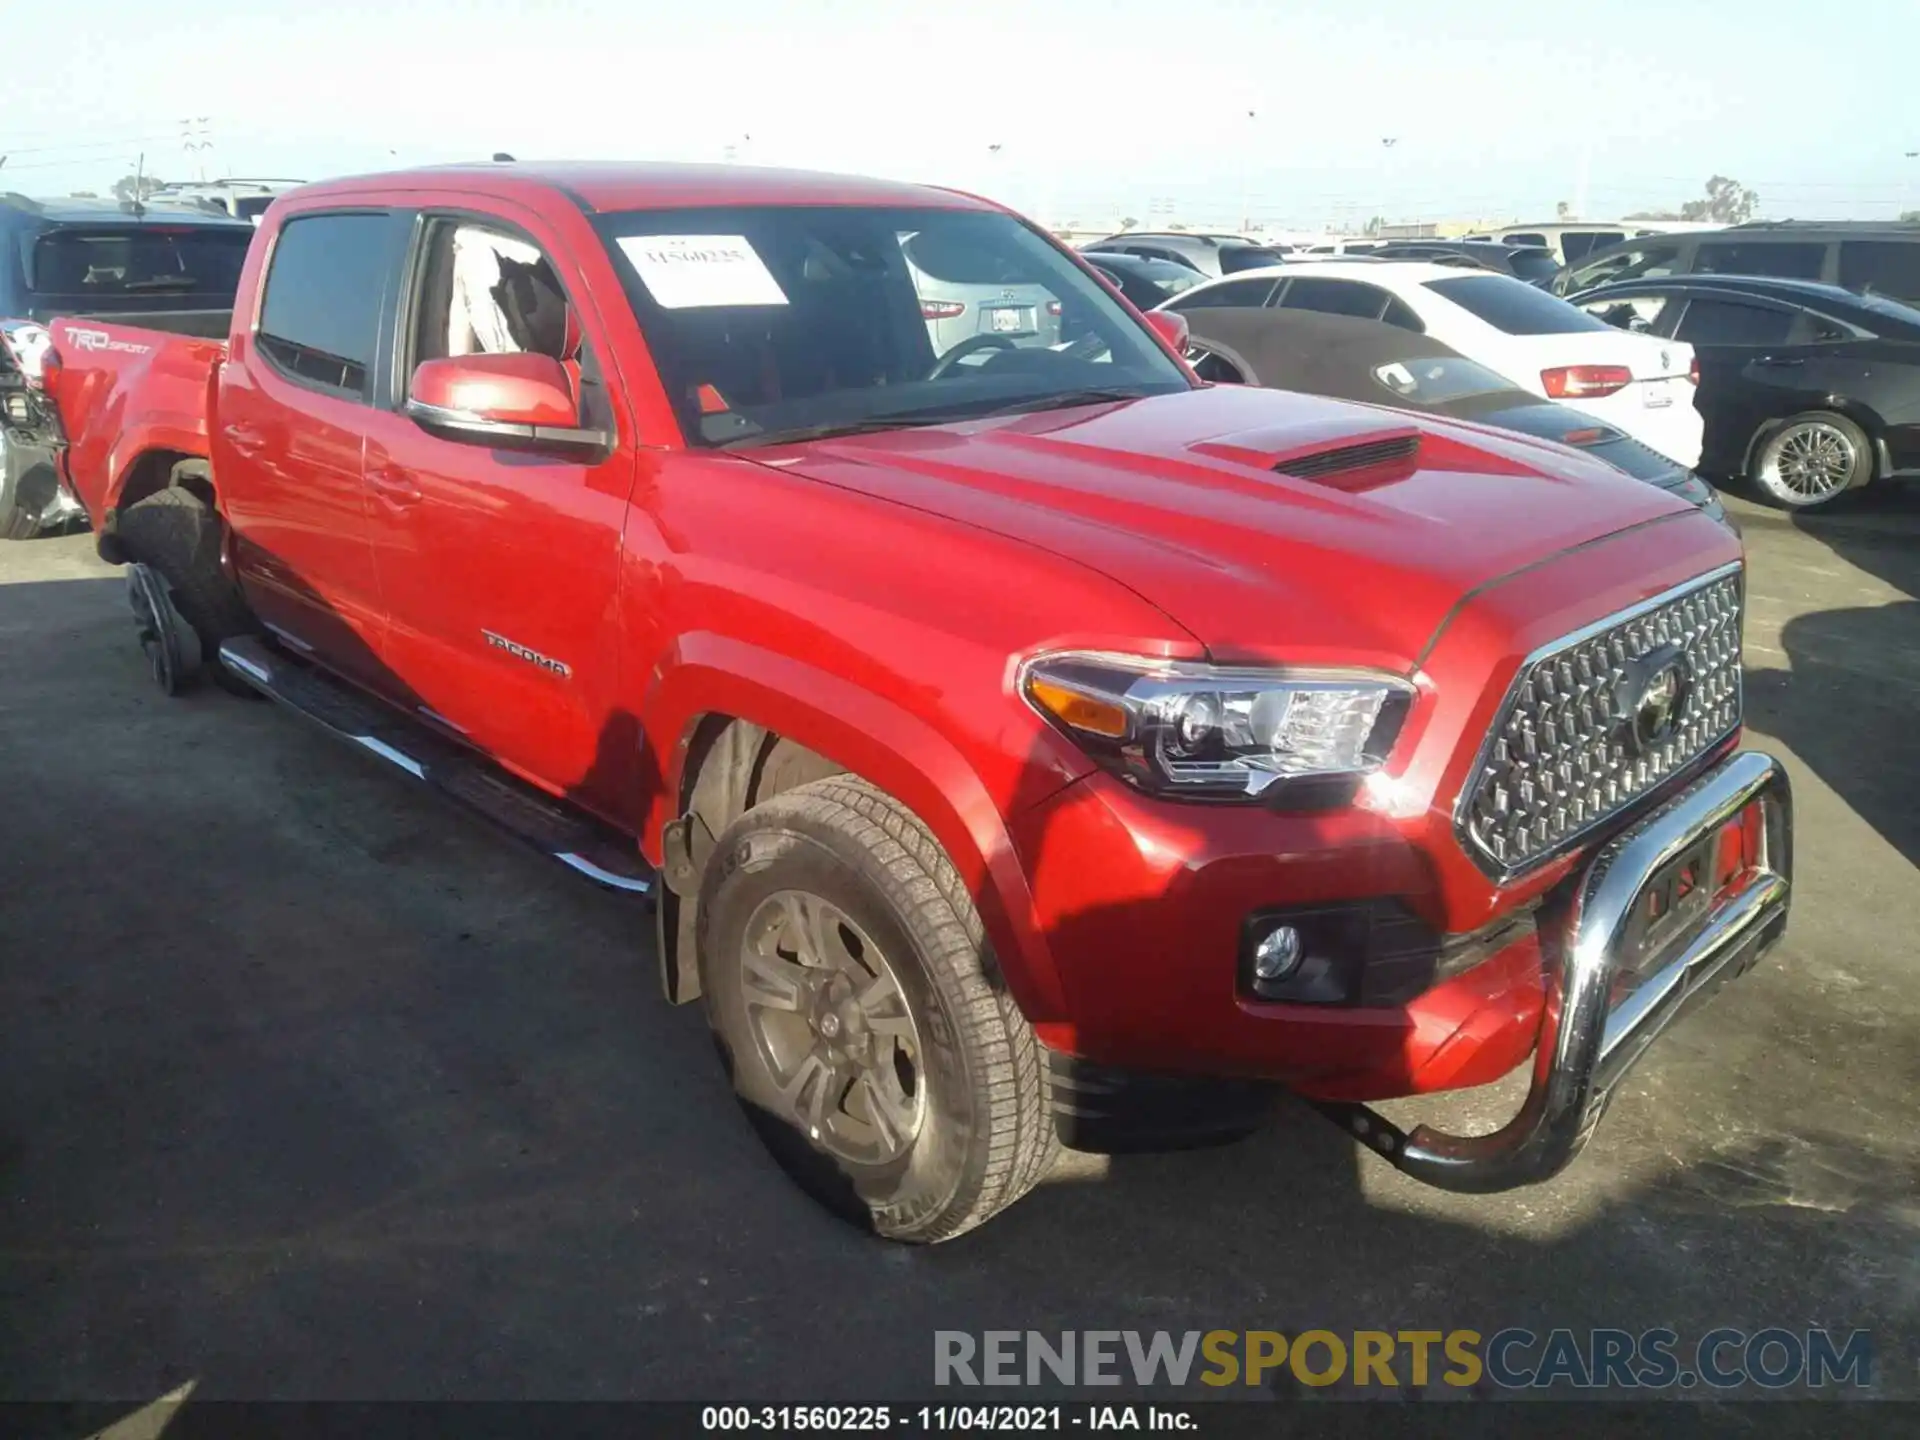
(1021, 741)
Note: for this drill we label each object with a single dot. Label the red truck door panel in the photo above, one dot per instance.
(289, 438)
(499, 567)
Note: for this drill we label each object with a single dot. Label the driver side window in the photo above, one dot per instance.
(485, 291)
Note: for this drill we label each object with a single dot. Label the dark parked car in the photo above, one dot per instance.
(171, 267)
(1808, 390)
(1351, 359)
(1870, 258)
(1532, 263)
(1145, 282)
(1211, 255)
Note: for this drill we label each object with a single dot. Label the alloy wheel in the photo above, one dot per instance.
(1810, 462)
(833, 1027)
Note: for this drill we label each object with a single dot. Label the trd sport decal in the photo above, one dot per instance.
(532, 657)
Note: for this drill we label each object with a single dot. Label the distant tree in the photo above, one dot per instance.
(1653, 215)
(1912, 216)
(1128, 223)
(136, 187)
(86, 195)
(1728, 202)
(1562, 210)
(1176, 225)
(1374, 223)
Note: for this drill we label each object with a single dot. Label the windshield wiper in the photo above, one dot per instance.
(163, 282)
(1063, 400)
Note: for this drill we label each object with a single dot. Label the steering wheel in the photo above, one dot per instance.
(971, 345)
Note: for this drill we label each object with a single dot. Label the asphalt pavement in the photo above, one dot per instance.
(313, 1088)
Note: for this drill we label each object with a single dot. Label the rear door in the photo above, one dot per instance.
(499, 567)
(288, 427)
(1753, 358)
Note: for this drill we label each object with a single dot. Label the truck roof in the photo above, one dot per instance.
(609, 186)
(84, 210)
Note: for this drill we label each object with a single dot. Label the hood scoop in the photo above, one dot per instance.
(1395, 454)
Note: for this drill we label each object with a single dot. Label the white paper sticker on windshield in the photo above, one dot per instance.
(682, 272)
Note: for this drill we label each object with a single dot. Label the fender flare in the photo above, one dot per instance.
(708, 674)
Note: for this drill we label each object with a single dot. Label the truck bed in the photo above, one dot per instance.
(122, 390)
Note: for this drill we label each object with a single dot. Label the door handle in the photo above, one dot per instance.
(393, 486)
(245, 439)
(1777, 360)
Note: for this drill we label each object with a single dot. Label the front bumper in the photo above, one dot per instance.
(1603, 1009)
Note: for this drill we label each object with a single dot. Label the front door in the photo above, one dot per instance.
(500, 568)
(288, 436)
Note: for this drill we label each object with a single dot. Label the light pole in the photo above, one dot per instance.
(1246, 172)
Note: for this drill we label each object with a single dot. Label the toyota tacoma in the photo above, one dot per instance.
(1020, 742)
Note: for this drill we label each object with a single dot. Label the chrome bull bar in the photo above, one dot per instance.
(1595, 1023)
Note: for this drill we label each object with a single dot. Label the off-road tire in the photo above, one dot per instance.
(175, 533)
(986, 1133)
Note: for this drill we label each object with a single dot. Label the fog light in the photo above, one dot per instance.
(1278, 953)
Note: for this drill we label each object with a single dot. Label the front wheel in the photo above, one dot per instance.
(855, 1002)
(1811, 460)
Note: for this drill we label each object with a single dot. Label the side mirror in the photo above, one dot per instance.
(1170, 326)
(522, 402)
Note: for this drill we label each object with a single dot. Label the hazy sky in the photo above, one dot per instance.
(1099, 109)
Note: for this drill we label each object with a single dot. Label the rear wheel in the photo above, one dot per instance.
(1811, 459)
(856, 1004)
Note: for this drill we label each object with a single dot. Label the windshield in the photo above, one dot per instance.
(130, 260)
(1514, 307)
(788, 322)
(1437, 379)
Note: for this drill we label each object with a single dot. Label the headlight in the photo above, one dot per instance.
(1184, 729)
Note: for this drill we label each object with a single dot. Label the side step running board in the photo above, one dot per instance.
(574, 839)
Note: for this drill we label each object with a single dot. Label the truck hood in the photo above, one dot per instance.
(1386, 523)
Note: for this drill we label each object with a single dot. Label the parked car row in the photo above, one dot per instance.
(1640, 384)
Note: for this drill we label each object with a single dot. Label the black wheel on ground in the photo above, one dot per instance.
(1811, 459)
(169, 642)
(859, 1011)
(176, 534)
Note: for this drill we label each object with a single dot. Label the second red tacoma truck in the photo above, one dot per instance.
(1024, 742)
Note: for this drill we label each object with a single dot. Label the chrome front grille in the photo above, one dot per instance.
(1601, 717)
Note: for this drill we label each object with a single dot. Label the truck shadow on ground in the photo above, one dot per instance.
(1856, 672)
(309, 1091)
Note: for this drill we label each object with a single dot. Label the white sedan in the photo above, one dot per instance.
(1641, 384)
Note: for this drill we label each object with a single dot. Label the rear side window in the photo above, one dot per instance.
(1638, 262)
(1235, 258)
(320, 318)
(203, 262)
(1513, 306)
(1524, 237)
(1881, 267)
(1728, 322)
(1785, 261)
(1578, 244)
(1336, 297)
(1233, 294)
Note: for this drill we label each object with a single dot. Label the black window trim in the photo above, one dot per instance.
(384, 316)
